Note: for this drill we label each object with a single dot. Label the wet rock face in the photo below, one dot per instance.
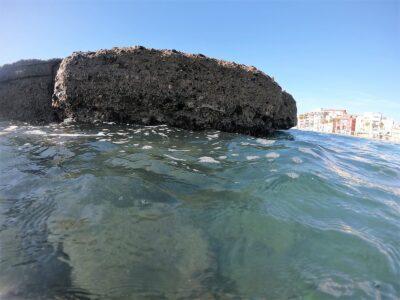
(26, 88)
(147, 86)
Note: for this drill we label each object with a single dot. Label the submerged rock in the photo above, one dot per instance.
(26, 88)
(147, 86)
(136, 253)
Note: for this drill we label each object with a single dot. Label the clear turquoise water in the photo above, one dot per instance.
(128, 212)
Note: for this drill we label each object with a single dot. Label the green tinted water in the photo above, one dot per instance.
(129, 212)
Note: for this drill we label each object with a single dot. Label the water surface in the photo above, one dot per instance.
(136, 212)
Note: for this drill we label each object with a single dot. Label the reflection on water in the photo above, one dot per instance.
(131, 212)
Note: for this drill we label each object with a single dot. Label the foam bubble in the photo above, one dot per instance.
(174, 158)
(265, 142)
(252, 157)
(71, 134)
(297, 160)
(11, 128)
(272, 155)
(207, 159)
(212, 136)
(292, 175)
(177, 150)
(35, 132)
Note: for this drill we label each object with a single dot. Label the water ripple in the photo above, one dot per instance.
(108, 211)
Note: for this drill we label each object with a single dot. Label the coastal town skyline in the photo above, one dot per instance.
(302, 109)
(371, 125)
(394, 115)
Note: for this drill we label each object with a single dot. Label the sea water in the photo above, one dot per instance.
(150, 212)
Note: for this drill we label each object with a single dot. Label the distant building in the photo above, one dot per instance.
(338, 121)
(321, 120)
(374, 125)
(345, 124)
(395, 134)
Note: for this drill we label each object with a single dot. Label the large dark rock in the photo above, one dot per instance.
(147, 86)
(26, 88)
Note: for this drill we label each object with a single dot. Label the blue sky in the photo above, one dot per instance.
(340, 54)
